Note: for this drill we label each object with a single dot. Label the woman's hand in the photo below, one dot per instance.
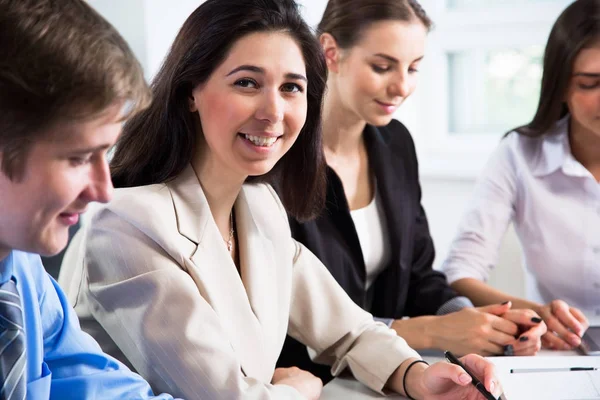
(445, 381)
(566, 325)
(480, 330)
(304, 382)
(448, 381)
(531, 328)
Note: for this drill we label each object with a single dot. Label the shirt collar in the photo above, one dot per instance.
(6, 268)
(556, 153)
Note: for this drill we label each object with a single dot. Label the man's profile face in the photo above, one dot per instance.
(65, 170)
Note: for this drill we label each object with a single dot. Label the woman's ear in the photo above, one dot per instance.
(192, 103)
(331, 51)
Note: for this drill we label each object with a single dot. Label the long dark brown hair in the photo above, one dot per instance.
(346, 20)
(159, 143)
(577, 27)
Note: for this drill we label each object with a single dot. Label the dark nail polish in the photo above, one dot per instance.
(509, 350)
(505, 303)
(523, 339)
(536, 320)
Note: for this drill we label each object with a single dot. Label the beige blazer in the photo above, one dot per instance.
(153, 270)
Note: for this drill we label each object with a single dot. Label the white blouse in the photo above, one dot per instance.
(372, 236)
(554, 203)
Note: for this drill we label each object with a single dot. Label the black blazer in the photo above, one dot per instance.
(408, 286)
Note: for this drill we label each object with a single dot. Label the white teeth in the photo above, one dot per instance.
(262, 141)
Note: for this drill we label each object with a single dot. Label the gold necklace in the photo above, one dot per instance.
(229, 241)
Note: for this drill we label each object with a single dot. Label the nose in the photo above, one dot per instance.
(401, 87)
(271, 108)
(100, 186)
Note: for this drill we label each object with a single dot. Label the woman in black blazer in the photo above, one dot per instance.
(373, 236)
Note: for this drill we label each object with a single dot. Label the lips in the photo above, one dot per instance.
(261, 140)
(69, 218)
(387, 104)
(69, 212)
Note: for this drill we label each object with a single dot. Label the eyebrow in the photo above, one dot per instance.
(392, 59)
(259, 70)
(588, 74)
(91, 149)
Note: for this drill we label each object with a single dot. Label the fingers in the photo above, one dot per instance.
(532, 332)
(561, 310)
(490, 349)
(438, 375)
(528, 347)
(553, 342)
(531, 328)
(500, 338)
(554, 325)
(484, 371)
(529, 342)
(505, 326)
(496, 309)
(523, 317)
(441, 377)
(580, 317)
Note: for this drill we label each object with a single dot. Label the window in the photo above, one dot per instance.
(492, 90)
(480, 78)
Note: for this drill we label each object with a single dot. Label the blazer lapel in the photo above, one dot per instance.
(261, 274)
(216, 276)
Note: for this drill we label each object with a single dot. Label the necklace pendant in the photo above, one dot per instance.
(229, 245)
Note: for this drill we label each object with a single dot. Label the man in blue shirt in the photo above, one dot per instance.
(67, 81)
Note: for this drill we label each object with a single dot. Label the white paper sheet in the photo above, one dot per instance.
(566, 385)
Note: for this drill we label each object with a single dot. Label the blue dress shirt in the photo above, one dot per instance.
(63, 362)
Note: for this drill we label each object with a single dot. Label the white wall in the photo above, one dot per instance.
(445, 201)
(129, 18)
(150, 27)
(163, 20)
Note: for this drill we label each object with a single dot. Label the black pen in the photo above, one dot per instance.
(476, 382)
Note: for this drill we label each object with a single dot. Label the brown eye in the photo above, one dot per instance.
(380, 69)
(588, 86)
(292, 88)
(77, 161)
(246, 83)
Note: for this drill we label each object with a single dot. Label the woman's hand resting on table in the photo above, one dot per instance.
(304, 382)
(445, 381)
(566, 325)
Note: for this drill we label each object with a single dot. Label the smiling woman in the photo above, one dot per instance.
(250, 115)
(157, 146)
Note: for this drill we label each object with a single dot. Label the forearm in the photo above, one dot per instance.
(482, 294)
(414, 382)
(416, 331)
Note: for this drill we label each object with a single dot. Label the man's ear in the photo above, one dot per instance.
(331, 51)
